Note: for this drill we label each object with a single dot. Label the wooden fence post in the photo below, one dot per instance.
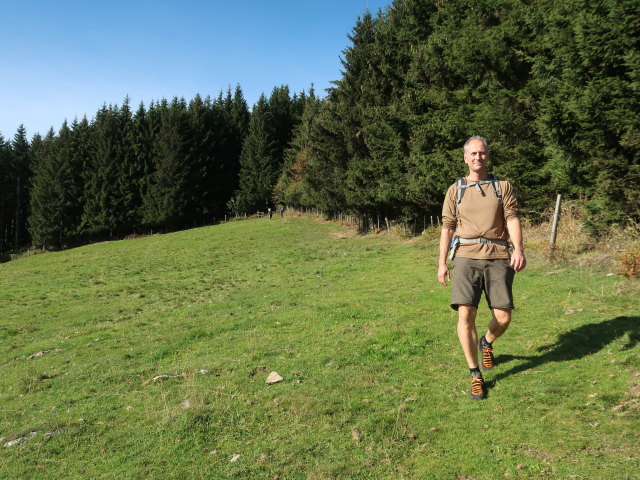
(554, 228)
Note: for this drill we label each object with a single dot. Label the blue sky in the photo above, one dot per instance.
(64, 59)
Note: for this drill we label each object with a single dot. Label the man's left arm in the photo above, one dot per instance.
(518, 260)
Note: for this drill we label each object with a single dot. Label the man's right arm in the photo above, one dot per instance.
(445, 242)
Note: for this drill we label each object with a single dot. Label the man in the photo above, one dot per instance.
(482, 212)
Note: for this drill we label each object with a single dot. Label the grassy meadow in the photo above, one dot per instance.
(147, 358)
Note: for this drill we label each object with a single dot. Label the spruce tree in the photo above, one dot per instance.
(20, 178)
(166, 197)
(291, 188)
(53, 194)
(258, 166)
(282, 120)
(103, 204)
(6, 209)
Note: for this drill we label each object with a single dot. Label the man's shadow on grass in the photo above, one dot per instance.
(576, 344)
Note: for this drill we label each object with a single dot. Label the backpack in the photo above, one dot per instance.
(461, 186)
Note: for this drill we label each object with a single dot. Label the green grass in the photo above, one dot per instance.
(375, 383)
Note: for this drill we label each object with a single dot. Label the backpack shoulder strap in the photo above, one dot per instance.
(461, 184)
(496, 186)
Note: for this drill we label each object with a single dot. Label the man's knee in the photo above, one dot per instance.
(502, 316)
(467, 313)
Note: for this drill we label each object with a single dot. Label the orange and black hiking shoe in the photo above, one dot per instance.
(486, 349)
(477, 388)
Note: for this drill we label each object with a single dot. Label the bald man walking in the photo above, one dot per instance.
(479, 217)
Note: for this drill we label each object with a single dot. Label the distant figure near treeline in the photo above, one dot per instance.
(270, 213)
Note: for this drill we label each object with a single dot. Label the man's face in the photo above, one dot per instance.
(476, 156)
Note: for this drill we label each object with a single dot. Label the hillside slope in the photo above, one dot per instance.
(147, 358)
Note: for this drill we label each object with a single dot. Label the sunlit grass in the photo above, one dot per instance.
(374, 386)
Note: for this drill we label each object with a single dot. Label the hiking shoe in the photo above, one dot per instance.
(477, 388)
(486, 349)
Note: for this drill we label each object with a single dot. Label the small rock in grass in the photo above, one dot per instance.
(39, 354)
(186, 404)
(235, 458)
(20, 440)
(164, 377)
(274, 377)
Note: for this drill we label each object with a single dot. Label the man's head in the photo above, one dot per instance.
(476, 154)
(478, 138)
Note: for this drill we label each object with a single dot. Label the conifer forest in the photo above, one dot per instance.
(554, 86)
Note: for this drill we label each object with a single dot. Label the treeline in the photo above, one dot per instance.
(169, 166)
(554, 87)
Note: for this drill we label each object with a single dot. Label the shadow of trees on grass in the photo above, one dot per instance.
(576, 344)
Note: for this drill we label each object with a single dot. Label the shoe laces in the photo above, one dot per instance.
(476, 385)
(487, 356)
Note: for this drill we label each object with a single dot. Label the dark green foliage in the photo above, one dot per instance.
(20, 174)
(265, 148)
(553, 86)
(6, 199)
(258, 163)
(589, 76)
(291, 188)
(105, 206)
(56, 187)
(165, 201)
(168, 167)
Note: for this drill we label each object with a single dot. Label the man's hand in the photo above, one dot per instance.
(443, 274)
(445, 242)
(518, 261)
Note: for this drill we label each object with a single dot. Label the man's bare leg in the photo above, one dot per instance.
(468, 336)
(499, 323)
(467, 333)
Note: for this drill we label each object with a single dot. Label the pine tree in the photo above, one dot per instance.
(207, 126)
(130, 170)
(282, 120)
(165, 200)
(325, 169)
(291, 188)
(258, 167)
(586, 68)
(103, 204)
(54, 195)
(6, 198)
(20, 177)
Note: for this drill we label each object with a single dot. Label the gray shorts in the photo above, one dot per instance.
(470, 277)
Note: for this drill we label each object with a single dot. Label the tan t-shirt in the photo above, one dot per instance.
(481, 216)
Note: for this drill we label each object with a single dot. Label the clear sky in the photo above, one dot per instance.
(63, 59)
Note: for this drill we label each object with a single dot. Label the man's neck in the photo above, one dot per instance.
(477, 176)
